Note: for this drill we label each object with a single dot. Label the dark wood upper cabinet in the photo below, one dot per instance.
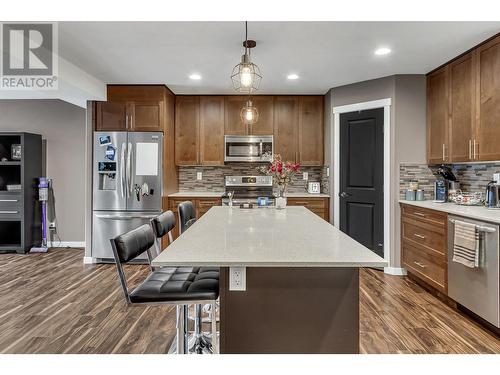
(202, 121)
(462, 106)
(212, 130)
(487, 141)
(310, 141)
(265, 106)
(111, 116)
(146, 115)
(438, 116)
(286, 127)
(187, 130)
(232, 121)
(132, 108)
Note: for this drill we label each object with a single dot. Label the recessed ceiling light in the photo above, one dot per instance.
(195, 76)
(382, 51)
(292, 76)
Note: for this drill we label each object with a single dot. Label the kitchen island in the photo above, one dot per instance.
(302, 282)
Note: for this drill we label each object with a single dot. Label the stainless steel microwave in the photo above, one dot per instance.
(248, 148)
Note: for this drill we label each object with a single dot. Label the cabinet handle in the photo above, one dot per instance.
(419, 235)
(475, 154)
(419, 214)
(470, 149)
(444, 152)
(419, 264)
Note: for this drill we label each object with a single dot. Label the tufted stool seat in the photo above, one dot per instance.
(180, 286)
(174, 284)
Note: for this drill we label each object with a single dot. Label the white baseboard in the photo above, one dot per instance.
(395, 271)
(78, 244)
(88, 260)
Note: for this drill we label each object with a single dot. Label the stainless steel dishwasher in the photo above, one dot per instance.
(478, 288)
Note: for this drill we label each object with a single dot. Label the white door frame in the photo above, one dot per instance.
(382, 103)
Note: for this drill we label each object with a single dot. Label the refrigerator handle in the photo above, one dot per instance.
(122, 170)
(129, 170)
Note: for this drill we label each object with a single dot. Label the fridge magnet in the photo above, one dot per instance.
(104, 140)
(110, 153)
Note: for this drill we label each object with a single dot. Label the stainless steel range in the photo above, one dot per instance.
(247, 189)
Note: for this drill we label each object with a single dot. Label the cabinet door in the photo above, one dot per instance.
(462, 105)
(311, 146)
(232, 121)
(487, 142)
(212, 130)
(187, 124)
(438, 116)
(265, 107)
(205, 204)
(111, 116)
(146, 116)
(286, 119)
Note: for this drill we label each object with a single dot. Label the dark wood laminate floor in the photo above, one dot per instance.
(52, 303)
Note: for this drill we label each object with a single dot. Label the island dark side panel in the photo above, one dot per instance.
(291, 310)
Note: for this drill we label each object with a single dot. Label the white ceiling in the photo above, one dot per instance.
(323, 54)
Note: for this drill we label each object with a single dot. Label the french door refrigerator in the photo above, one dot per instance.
(127, 183)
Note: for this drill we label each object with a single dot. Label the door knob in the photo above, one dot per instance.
(344, 195)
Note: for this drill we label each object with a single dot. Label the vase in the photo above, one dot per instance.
(281, 197)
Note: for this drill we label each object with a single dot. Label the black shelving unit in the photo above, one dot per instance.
(20, 222)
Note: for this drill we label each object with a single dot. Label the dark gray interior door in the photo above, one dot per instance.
(361, 177)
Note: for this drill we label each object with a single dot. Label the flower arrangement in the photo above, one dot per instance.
(282, 172)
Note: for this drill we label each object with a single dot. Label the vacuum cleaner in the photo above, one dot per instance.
(43, 197)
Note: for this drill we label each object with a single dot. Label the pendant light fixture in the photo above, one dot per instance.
(249, 114)
(246, 75)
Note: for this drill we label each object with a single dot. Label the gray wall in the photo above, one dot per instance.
(62, 127)
(408, 129)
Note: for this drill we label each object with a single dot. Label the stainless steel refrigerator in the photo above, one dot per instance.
(127, 183)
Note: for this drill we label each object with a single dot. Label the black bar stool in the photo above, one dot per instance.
(181, 286)
(163, 225)
(187, 215)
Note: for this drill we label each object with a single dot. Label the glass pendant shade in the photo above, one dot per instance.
(246, 76)
(249, 114)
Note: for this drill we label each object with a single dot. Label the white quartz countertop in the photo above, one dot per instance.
(307, 195)
(473, 212)
(201, 194)
(265, 237)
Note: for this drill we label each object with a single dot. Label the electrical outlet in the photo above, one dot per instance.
(52, 225)
(305, 176)
(199, 176)
(237, 278)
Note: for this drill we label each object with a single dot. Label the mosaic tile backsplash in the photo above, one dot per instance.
(213, 177)
(472, 177)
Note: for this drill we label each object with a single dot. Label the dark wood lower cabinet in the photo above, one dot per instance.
(424, 241)
(291, 310)
(319, 205)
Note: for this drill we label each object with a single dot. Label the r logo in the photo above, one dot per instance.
(27, 49)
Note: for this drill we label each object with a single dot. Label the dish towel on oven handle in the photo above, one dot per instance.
(466, 244)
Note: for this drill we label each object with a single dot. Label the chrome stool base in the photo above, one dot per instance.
(197, 342)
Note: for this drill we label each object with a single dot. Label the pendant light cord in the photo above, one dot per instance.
(246, 37)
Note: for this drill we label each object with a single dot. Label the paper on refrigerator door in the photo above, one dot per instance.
(146, 159)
